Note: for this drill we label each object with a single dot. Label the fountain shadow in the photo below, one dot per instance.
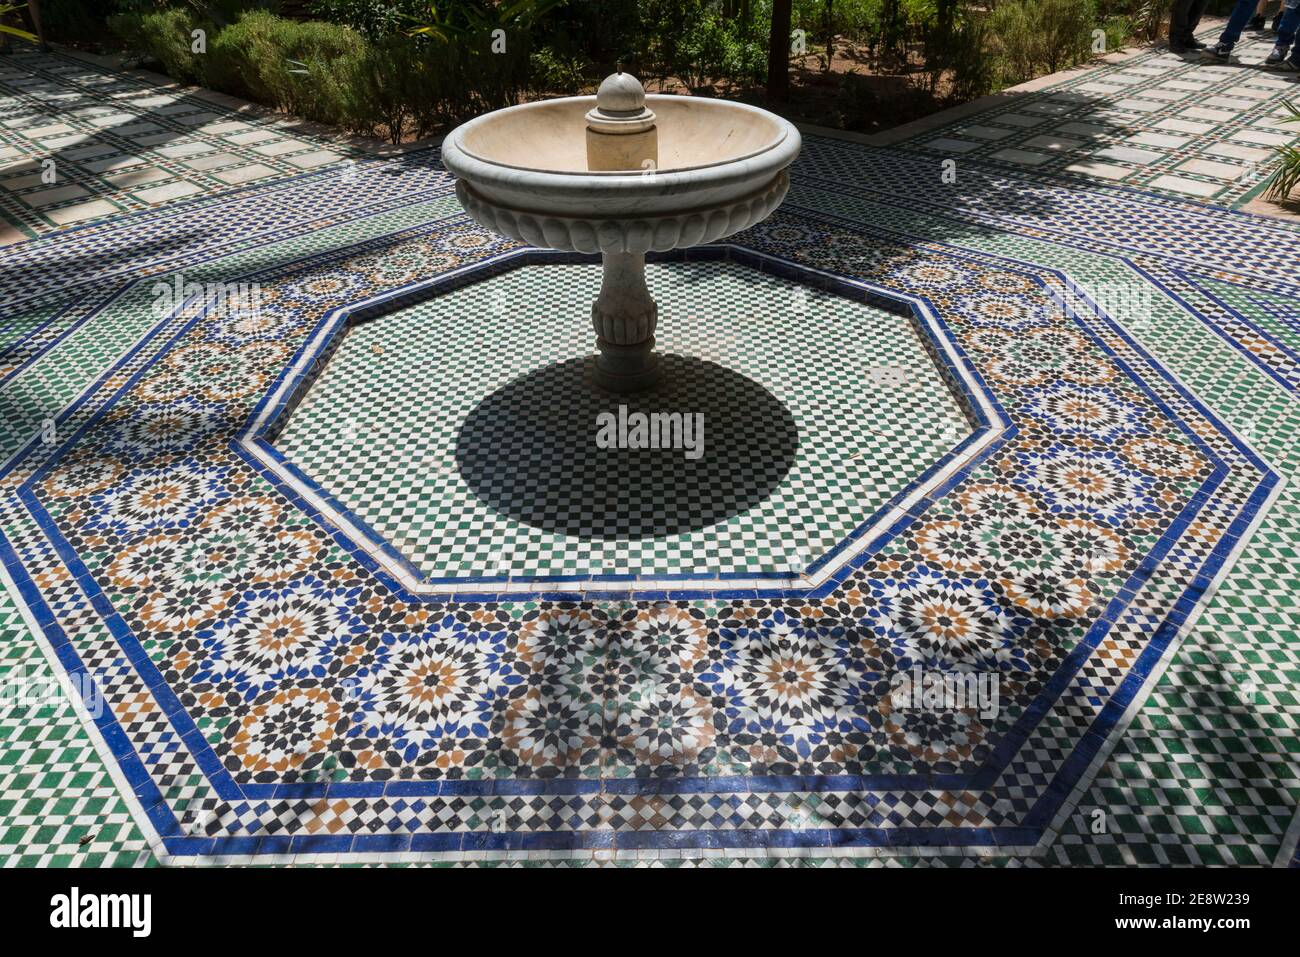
(530, 451)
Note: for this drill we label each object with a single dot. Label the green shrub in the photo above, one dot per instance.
(1016, 44)
(389, 87)
(387, 91)
(1065, 28)
(303, 67)
(556, 72)
(701, 52)
(373, 19)
(693, 42)
(857, 105)
(1118, 30)
(974, 71)
(165, 36)
(1041, 36)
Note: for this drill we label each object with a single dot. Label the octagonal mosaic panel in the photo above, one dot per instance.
(450, 430)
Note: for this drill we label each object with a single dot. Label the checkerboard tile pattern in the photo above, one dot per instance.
(80, 143)
(421, 425)
(1182, 126)
(58, 805)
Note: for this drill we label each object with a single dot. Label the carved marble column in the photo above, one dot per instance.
(625, 316)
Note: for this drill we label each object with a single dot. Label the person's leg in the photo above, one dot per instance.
(1196, 11)
(1178, 22)
(1290, 23)
(1237, 20)
(1286, 32)
(1183, 17)
(1257, 21)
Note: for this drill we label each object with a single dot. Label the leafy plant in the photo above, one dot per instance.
(10, 31)
(164, 36)
(306, 68)
(472, 19)
(1118, 30)
(974, 72)
(1065, 31)
(857, 103)
(1041, 36)
(1287, 175)
(373, 19)
(1149, 15)
(556, 72)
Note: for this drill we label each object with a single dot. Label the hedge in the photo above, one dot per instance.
(391, 87)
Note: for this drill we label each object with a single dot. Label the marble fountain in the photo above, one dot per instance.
(622, 174)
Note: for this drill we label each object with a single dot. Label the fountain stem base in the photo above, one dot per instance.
(624, 316)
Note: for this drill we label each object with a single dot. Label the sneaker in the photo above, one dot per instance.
(1257, 22)
(1276, 57)
(1196, 44)
(1220, 51)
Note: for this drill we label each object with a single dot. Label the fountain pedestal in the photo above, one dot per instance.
(624, 316)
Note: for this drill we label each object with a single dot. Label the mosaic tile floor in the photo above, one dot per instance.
(1120, 558)
(1183, 126)
(79, 144)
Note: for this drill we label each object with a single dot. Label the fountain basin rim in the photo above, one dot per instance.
(614, 195)
(456, 139)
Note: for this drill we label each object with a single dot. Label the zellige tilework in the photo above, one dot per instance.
(1119, 557)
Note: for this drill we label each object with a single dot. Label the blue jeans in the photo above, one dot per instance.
(1288, 28)
(1237, 20)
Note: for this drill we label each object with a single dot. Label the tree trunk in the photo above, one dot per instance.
(778, 53)
(830, 33)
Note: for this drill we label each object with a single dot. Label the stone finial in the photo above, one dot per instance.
(621, 131)
(620, 93)
(620, 106)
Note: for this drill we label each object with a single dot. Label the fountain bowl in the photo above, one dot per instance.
(720, 167)
(522, 172)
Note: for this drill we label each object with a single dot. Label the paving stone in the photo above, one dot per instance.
(56, 194)
(244, 174)
(1181, 184)
(1021, 157)
(82, 211)
(1130, 154)
(1228, 171)
(158, 194)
